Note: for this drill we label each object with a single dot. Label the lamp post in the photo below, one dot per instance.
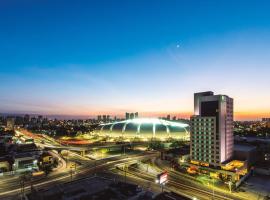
(230, 186)
(213, 192)
(31, 182)
(71, 174)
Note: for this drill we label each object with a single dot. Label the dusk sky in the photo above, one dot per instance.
(93, 57)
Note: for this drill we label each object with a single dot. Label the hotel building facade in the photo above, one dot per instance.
(211, 129)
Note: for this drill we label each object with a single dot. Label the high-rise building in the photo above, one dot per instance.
(33, 120)
(211, 129)
(18, 120)
(40, 118)
(267, 119)
(26, 119)
(127, 115)
(10, 123)
(131, 115)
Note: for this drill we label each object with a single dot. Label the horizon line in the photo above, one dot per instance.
(241, 116)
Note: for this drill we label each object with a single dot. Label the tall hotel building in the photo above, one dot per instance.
(211, 129)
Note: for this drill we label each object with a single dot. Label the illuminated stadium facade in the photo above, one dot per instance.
(145, 129)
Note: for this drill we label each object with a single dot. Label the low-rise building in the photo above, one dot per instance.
(246, 153)
(25, 162)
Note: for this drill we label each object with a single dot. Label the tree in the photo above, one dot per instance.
(156, 145)
(177, 144)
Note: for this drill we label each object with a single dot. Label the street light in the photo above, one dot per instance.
(14, 168)
(125, 173)
(213, 192)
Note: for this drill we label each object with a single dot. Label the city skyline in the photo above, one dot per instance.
(132, 56)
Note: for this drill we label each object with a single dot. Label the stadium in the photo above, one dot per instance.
(145, 129)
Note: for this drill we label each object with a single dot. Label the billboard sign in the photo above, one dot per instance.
(162, 178)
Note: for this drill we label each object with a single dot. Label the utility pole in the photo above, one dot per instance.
(95, 169)
(71, 173)
(22, 182)
(125, 173)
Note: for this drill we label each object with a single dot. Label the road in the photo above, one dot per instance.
(11, 187)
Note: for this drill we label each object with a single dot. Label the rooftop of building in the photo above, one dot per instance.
(209, 93)
(253, 139)
(24, 155)
(246, 148)
(26, 147)
(152, 121)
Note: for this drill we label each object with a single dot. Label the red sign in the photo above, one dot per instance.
(162, 178)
